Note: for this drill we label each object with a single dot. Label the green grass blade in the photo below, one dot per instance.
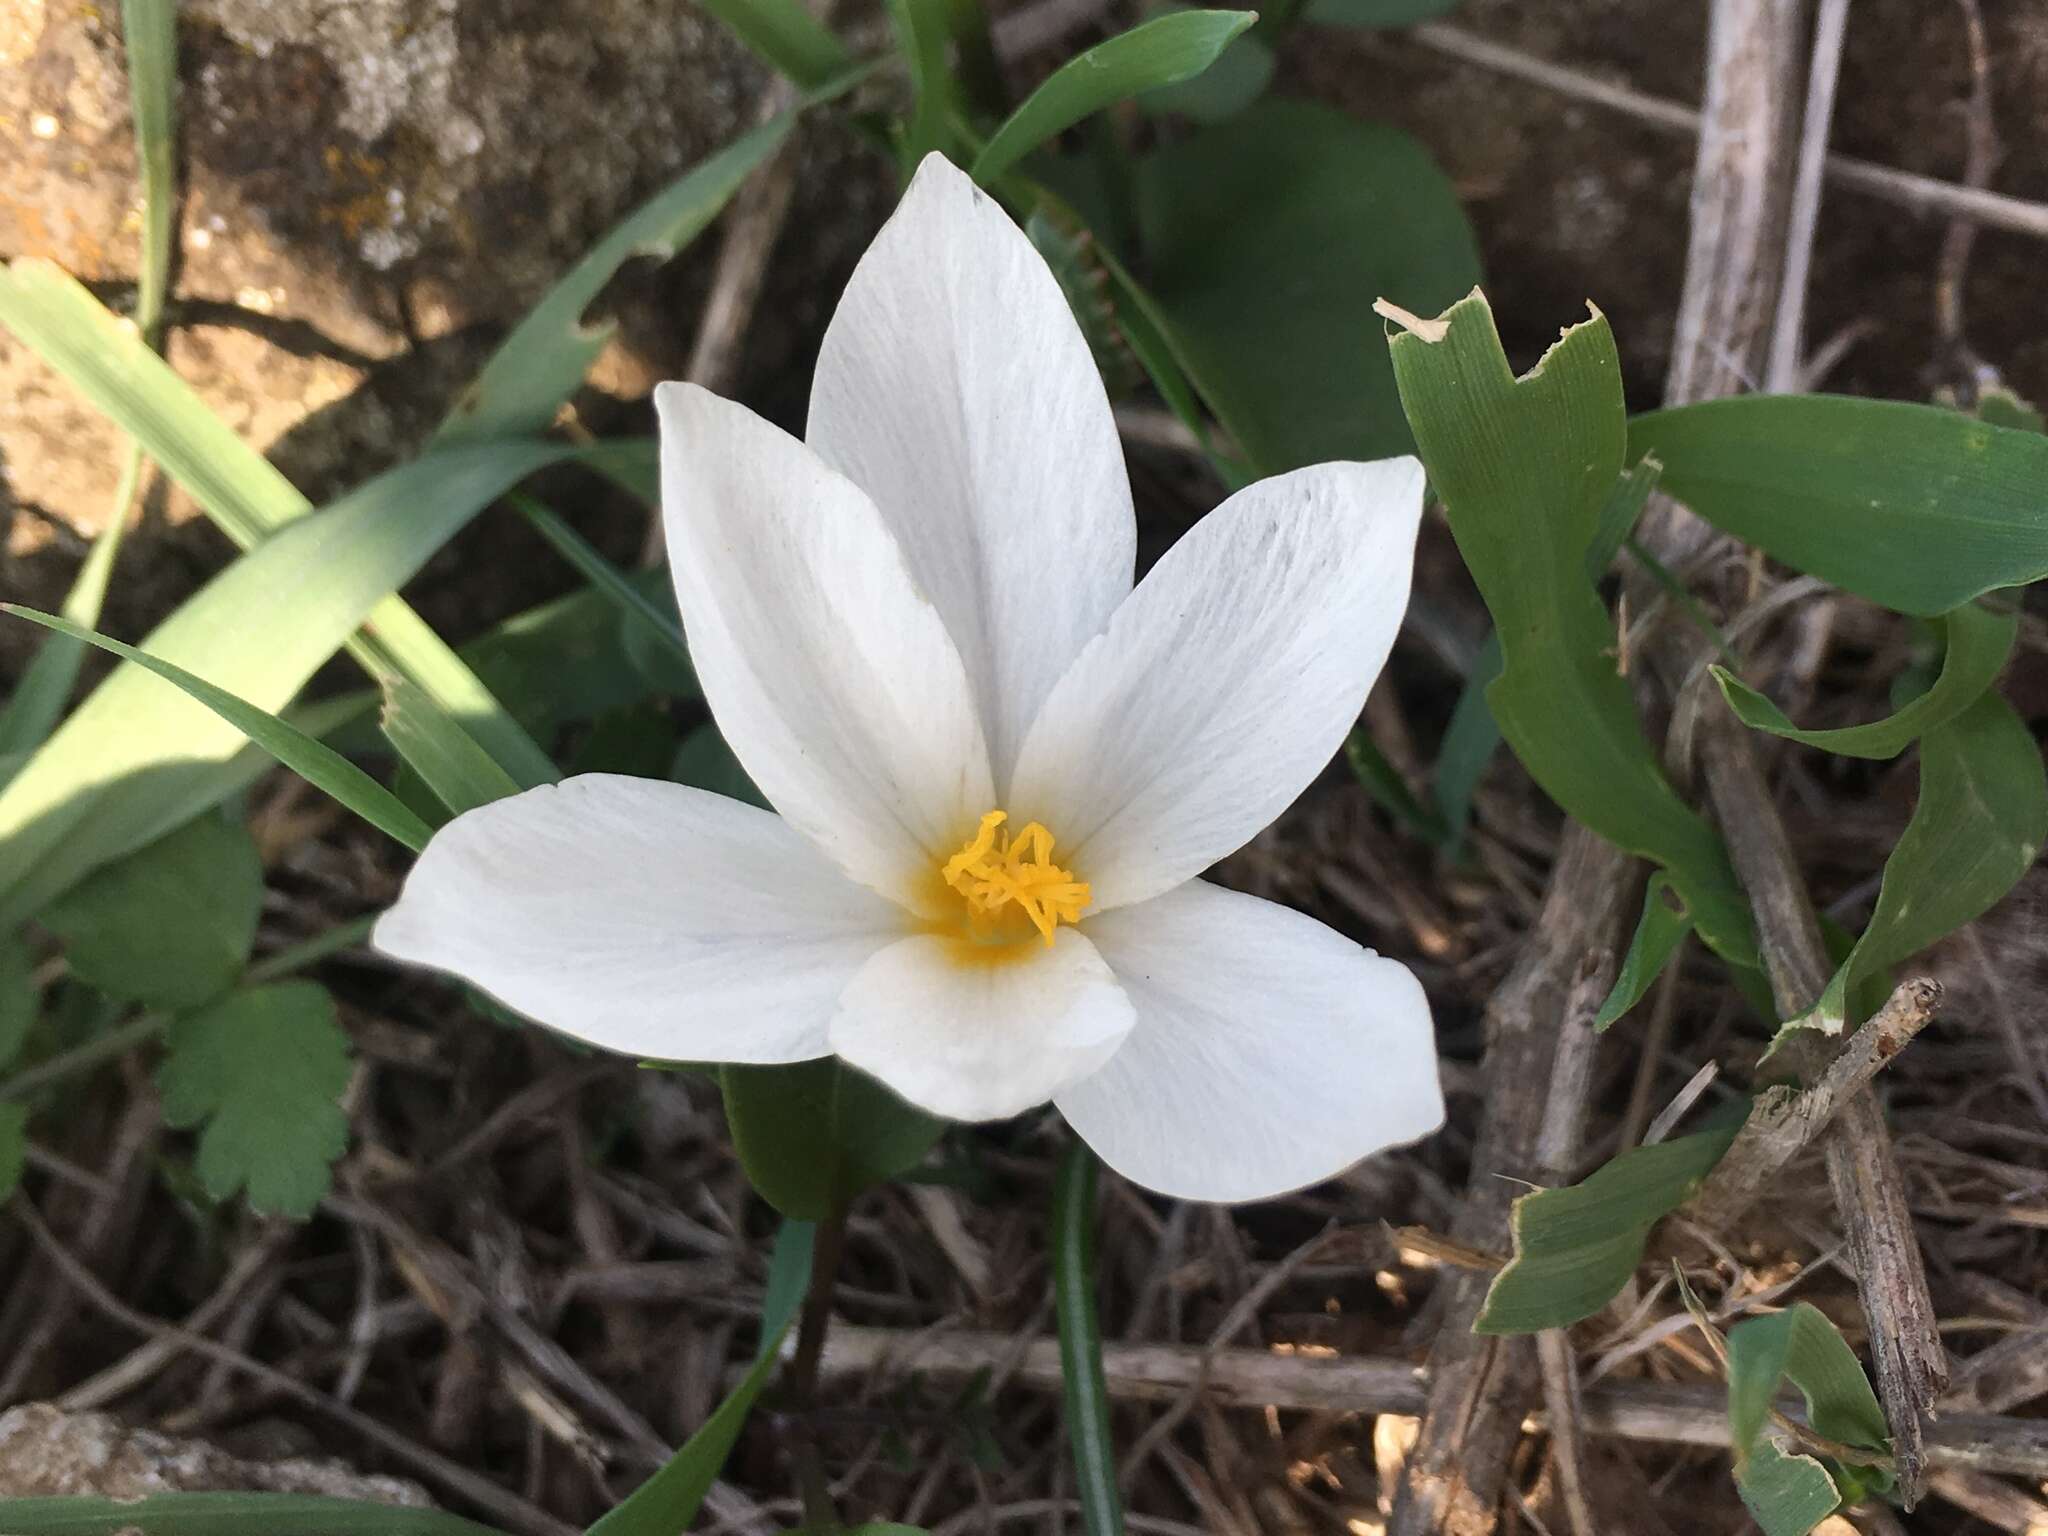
(604, 577)
(786, 37)
(134, 759)
(461, 774)
(227, 1514)
(1164, 51)
(316, 763)
(921, 36)
(149, 28)
(1087, 1393)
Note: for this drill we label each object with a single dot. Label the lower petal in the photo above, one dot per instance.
(643, 917)
(1269, 1052)
(975, 1034)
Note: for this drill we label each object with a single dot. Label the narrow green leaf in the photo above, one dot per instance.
(787, 38)
(789, 1277)
(1576, 1247)
(1072, 255)
(1370, 767)
(461, 774)
(1239, 77)
(921, 34)
(607, 578)
(814, 1134)
(1467, 747)
(227, 1514)
(1787, 1495)
(545, 358)
(170, 925)
(149, 33)
(318, 764)
(1086, 1390)
(263, 1070)
(1978, 642)
(20, 998)
(1918, 508)
(1662, 928)
(1801, 1345)
(1164, 51)
(1265, 241)
(667, 1502)
(13, 1159)
(1979, 824)
(1525, 467)
(704, 761)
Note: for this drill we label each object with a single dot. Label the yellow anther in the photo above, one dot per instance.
(993, 869)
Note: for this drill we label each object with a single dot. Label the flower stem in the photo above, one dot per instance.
(801, 1384)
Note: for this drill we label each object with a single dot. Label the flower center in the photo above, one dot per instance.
(994, 871)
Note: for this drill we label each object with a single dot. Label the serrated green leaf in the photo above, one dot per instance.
(786, 37)
(1576, 1247)
(1661, 929)
(13, 1151)
(263, 1071)
(1525, 467)
(667, 1502)
(1266, 239)
(242, 492)
(1089, 1434)
(136, 758)
(1799, 1344)
(1978, 641)
(1786, 1495)
(1161, 52)
(1071, 255)
(227, 1514)
(461, 774)
(1918, 508)
(1980, 822)
(318, 764)
(20, 997)
(813, 1134)
(171, 924)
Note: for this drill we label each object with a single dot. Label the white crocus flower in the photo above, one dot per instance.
(999, 769)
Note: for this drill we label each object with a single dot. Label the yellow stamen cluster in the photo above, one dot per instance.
(994, 869)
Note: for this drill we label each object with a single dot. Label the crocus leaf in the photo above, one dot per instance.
(1265, 240)
(1087, 1393)
(1980, 821)
(1576, 1247)
(13, 1158)
(1978, 641)
(787, 37)
(170, 925)
(262, 1070)
(1912, 506)
(789, 1278)
(136, 758)
(922, 31)
(814, 1134)
(245, 495)
(1163, 51)
(1787, 1495)
(227, 1514)
(461, 774)
(312, 760)
(667, 1502)
(1524, 467)
(646, 614)
(1662, 928)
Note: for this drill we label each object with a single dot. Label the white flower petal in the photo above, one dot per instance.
(974, 1039)
(643, 917)
(1270, 1052)
(1225, 681)
(830, 674)
(955, 389)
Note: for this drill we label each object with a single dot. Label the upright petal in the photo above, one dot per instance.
(1226, 680)
(974, 1039)
(1269, 1053)
(955, 389)
(643, 917)
(830, 674)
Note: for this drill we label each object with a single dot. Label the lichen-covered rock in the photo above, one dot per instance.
(46, 1452)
